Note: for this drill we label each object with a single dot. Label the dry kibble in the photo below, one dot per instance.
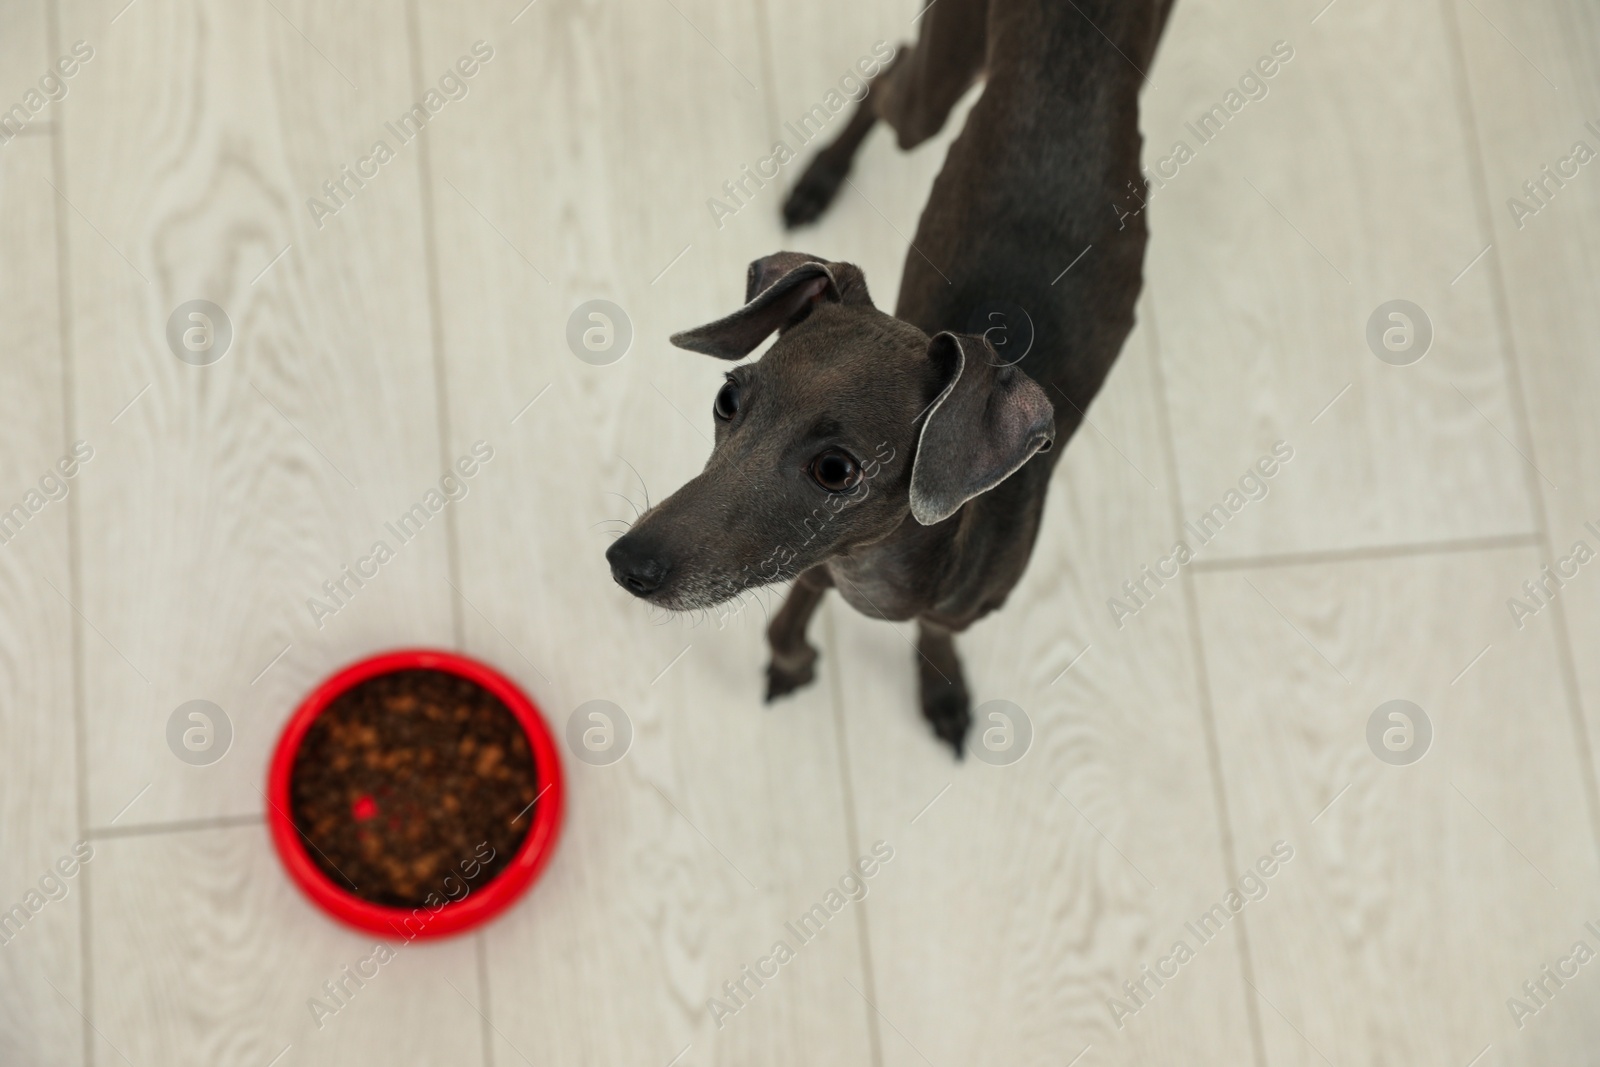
(410, 778)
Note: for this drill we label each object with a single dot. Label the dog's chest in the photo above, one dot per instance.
(874, 586)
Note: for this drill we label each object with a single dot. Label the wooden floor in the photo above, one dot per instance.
(1176, 751)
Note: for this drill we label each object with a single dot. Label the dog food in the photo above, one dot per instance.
(413, 784)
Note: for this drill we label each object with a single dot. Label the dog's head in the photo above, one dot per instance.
(851, 422)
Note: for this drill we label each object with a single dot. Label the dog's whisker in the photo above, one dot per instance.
(760, 602)
(643, 486)
(625, 500)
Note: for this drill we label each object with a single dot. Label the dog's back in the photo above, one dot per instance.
(1044, 177)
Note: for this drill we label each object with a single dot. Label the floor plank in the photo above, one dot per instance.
(1024, 897)
(1546, 265)
(1278, 240)
(25, 57)
(682, 861)
(38, 715)
(224, 496)
(1423, 895)
(207, 955)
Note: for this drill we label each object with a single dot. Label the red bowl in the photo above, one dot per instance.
(480, 904)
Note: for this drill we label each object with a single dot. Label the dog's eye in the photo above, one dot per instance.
(836, 471)
(726, 405)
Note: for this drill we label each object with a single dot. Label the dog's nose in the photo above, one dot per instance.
(635, 567)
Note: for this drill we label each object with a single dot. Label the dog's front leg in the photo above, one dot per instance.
(942, 686)
(793, 659)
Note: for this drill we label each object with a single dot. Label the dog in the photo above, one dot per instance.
(903, 460)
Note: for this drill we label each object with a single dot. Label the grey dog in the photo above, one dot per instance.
(902, 459)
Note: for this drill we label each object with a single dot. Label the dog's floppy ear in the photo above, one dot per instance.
(780, 290)
(989, 420)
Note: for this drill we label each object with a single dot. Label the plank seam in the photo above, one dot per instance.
(851, 825)
(174, 826)
(1531, 539)
(1512, 363)
(64, 312)
(441, 392)
(441, 395)
(1202, 680)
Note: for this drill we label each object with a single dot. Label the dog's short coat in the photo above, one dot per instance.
(900, 459)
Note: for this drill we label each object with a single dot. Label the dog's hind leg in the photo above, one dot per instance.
(914, 95)
(928, 80)
(819, 184)
(942, 686)
(794, 661)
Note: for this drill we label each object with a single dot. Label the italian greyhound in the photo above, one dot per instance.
(903, 460)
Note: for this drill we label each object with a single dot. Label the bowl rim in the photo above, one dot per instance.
(480, 904)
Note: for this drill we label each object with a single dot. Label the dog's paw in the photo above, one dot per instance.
(784, 677)
(948, 710)
(814, 191)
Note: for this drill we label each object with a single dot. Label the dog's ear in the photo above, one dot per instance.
(780, 290)
(989, 420)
